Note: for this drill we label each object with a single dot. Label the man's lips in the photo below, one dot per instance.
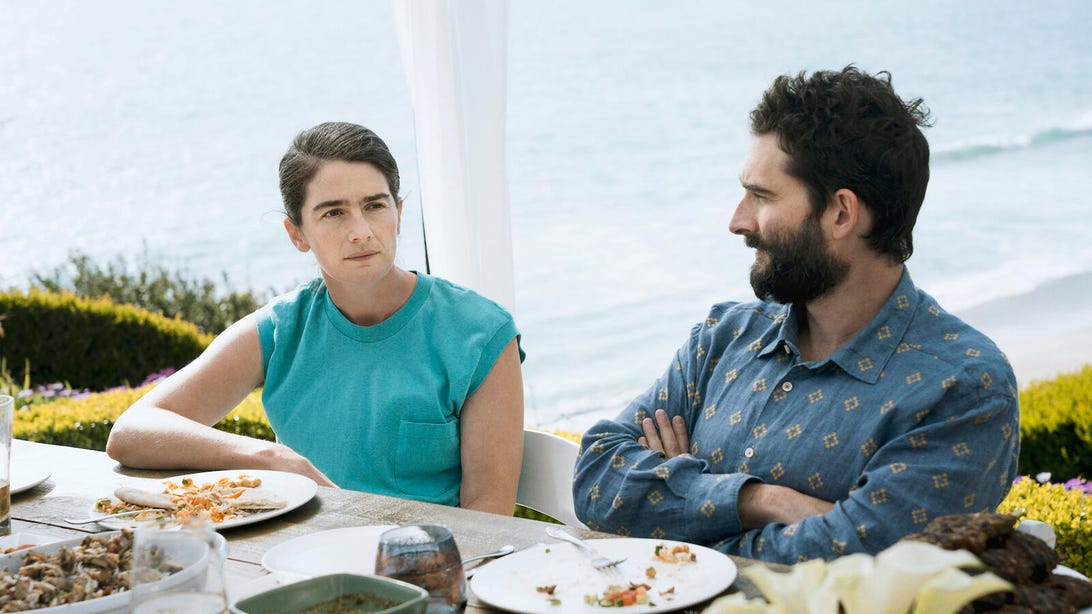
(361, 255)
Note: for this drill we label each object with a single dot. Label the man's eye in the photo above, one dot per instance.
(332, 213)
(377, 204)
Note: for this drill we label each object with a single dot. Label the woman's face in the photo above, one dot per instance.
(350, 220)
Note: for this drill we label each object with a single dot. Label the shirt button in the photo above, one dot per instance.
(787, 386)
(749, 452)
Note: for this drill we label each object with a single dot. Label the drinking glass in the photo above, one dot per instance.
(178, 568)
(7, 416)
(425, 555)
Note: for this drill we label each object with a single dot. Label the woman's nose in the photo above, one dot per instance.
(360, 230)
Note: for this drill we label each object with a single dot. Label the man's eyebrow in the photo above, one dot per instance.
(756, 189)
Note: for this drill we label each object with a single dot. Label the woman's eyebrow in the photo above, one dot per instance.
(326, 204)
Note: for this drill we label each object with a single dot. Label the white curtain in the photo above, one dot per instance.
(455, 53)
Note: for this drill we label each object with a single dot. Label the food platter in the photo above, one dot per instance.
(348, 550)
(117, 602)
(292, 488)
(514, 582)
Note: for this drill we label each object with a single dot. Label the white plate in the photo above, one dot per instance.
(296, 489)
(27, 469)
(15, 540)
(509, 583)
(1066, 571)
(262, 584)
(349, 550)
(117, 602)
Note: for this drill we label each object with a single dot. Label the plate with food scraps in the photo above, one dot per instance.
(658, 575)
(20, 541)
(229, 498)
(345, 550)
(96, 558)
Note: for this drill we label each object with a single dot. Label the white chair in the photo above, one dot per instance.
(546, 480)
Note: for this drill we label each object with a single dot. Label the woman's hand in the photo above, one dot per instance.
(283, 458)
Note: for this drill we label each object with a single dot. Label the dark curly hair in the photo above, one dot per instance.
(330, 141)
(848, 129)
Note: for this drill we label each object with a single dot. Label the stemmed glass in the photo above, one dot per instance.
(178, 568)
(424, 555)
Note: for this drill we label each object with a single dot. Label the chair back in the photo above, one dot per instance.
(546, 480)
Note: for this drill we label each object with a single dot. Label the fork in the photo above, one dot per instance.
(598, 561)
(117, 515)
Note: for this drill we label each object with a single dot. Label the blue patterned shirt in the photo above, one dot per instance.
(916, 417)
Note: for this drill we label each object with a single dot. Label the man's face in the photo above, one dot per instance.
(793, 263)
(797, 267)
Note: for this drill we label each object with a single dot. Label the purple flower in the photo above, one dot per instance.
(1079, 484)
(22, 394)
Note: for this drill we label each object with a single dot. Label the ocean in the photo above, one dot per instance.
(139, 130)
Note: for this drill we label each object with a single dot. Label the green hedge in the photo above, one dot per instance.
(1056, 426)
(1069, 512)
(90, 343)
(85, 423)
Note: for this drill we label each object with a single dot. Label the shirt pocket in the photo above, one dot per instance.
(427, 465)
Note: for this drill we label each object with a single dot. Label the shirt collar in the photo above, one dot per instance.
(866, 355)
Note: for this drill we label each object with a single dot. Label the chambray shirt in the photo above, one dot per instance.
(916, 417)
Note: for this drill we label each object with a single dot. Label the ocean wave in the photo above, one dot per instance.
(991, 145)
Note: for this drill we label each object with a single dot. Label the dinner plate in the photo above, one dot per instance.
(28, 469)
(24, 540)
(512, 583)
(118, 602)
(348, 550)
(296, 489)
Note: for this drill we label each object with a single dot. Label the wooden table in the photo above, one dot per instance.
(79, 477)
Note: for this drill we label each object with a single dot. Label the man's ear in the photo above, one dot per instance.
(398, 226)
(295, 236)
(846, 215)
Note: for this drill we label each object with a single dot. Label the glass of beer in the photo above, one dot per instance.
(7, 418)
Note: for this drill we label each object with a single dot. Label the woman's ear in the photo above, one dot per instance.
(296, 236)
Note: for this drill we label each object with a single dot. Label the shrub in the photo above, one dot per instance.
(1068, 511)
(86, 423)
(1056, 425)
(90, 343)
(152, 287)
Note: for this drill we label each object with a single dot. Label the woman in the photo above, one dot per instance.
(374, 378)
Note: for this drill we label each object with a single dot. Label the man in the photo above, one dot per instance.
(845, 408)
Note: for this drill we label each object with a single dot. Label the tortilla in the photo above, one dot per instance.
(146, 498)
(259, 499)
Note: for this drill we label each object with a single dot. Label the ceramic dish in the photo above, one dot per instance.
(117, 602)
(347, 592)
(294, 488)
(516, 582)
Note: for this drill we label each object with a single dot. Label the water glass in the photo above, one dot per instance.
(178, 568)
(7, 417)
(424, 555)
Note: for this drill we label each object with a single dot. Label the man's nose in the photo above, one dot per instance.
(742, 221)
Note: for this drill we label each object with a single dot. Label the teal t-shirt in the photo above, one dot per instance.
(376, 408)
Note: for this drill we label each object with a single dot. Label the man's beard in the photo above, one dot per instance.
(798, 268)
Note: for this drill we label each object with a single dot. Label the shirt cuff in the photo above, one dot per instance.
(713, 501)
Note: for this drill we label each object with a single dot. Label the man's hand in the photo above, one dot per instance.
(665, 435)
